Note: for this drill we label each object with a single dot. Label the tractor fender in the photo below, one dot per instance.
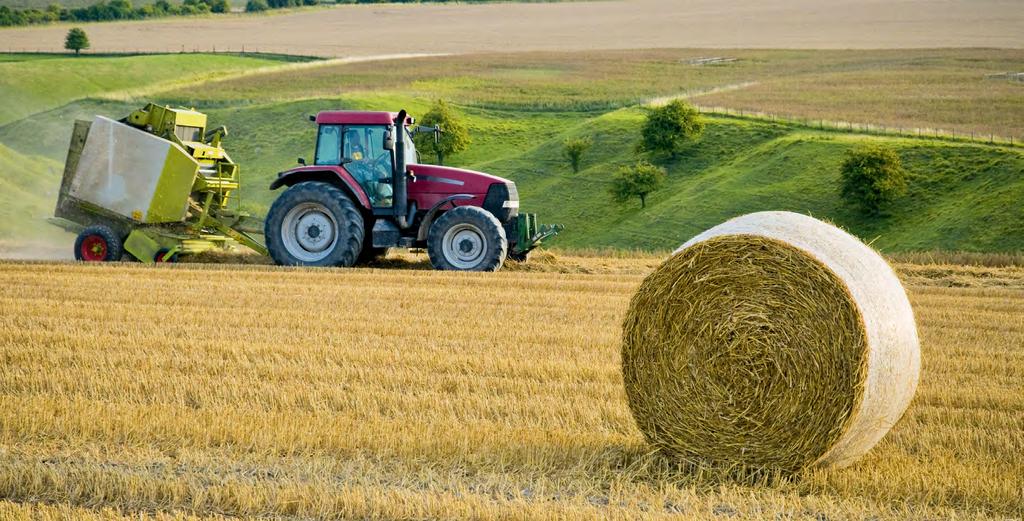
(428, 218)
(334, 175)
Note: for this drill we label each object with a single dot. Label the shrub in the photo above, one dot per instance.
(670, 128)
(637, 181)
(574, 149)
(219, 6)
(454, 136)
(255, 6)
(872, 176)
(76, 40)
(195, 6)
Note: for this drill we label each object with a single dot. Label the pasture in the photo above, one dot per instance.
(403, 393)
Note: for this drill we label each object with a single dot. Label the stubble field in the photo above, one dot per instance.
(365, 30)
(254, 391)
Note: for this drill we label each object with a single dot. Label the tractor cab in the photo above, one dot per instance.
(363, 144)
(366, 191)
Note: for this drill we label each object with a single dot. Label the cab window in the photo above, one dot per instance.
(328, 145)
(368, 161)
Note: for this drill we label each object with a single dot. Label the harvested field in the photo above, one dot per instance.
(257, 391)
(362, 30)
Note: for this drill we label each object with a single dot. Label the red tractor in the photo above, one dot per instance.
(366, 192)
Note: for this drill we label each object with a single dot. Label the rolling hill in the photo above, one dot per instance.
(961, 196)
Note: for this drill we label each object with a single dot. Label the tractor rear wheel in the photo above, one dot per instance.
(467, 238)
(314, 224)
(98, 243)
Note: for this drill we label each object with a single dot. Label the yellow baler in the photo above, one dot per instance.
(154, 184)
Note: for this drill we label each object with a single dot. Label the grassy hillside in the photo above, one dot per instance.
(32, 85)
(30, 185)
(961, 197)
(935, 88)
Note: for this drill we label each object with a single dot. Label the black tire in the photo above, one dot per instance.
(325, 206)
(161, 256)
(468, 230)
(98, 243)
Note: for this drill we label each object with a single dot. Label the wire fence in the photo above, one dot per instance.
(868, 128)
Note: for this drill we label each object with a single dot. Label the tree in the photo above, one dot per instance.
(76, 40)
(669, 128)
(254, 6)
(637, 181)
(574, 150)
(219, 6)
(872, 176)
(454, 136)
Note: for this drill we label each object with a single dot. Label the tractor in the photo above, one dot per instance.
(366, 192)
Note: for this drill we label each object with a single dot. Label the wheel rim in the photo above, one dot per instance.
(309, 232)
(464, 246)
(161, 256)
(94, 249)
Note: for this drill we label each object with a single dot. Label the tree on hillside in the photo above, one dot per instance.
(637, 181)
(218, 6)
(872, 176)
(255, 6)
(668, 129)
(574, 148)
(76, 40)
(454, 135)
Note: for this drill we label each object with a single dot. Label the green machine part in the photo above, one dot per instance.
(531, 234)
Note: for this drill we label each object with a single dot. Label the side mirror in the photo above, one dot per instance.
(302, 161)
(389, 138)
(312, 118)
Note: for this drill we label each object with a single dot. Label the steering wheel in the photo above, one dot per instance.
(381, 164)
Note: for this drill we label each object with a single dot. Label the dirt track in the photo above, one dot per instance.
(362, 30)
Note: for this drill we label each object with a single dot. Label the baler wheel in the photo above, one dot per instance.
(314, 224)
(98, 243)
(161, 256)
(467, 238)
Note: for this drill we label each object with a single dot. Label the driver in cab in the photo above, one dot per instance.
(373, 173)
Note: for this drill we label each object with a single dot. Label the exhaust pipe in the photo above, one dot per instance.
(401, 167)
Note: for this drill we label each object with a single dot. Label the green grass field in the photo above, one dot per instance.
(33, 84)
(520, 108)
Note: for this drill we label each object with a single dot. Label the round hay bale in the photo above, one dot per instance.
(771, 341)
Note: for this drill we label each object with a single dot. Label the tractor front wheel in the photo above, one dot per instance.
(98, 243)
(467, 238)
(314, 224)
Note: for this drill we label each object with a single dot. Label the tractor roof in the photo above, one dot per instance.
(356, 117)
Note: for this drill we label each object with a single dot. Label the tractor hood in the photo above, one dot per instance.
(430, 185)
(444, 179)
